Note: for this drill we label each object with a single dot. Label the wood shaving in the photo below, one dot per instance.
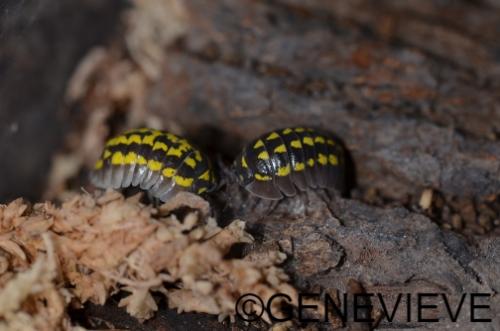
(426, 199)
(151, 26)
(30, 299)
(93, 246)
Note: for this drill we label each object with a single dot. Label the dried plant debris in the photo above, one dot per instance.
(151, 26)
(32, 299)
(92, 247)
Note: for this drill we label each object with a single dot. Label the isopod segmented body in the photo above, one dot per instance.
(156, 161)
(284, 161)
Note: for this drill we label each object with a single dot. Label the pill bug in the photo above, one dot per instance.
(283, 162)
(158, 162)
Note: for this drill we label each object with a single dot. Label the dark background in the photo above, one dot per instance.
(40, 44)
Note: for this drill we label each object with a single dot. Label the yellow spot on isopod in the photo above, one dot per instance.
(107, 154)
(322, 159)
(197, 156)
(130, 158)
(154, 165)
(258, 144)
(280, 149)
(330, 142)
(284, 171)
(141, 160)
(168, 172)
(122, 139)
(262, 177)
(299, 129)
(308, 141)
(117, 158)
(299, 166)
(98, 164)
(201, 190)
(244, 162)
(263, 155)
(310, 162)
(190, 162)
(333, 159)
(296, 144)
(172, 137)
(160, 145)
(135, 138)
(272, 136)
(183, 181)
(117, 140)
(287, 131)
(149, 139)
(319, 139)
(205, 175)
(175, 151)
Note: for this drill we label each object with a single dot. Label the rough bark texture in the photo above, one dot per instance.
(411, 118)
(412, 88)
(388, 251)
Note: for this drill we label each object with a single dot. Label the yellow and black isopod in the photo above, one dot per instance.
(158, 162)
(283, 162)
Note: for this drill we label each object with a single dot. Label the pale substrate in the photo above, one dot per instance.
(92, 247)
